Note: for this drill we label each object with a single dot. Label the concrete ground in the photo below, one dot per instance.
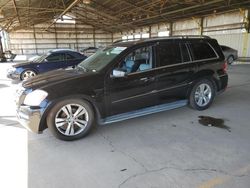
(168, 149)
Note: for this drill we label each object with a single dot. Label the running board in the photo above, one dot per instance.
(143, 112)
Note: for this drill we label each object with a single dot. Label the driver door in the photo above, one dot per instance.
(53, 61)
(136, 89)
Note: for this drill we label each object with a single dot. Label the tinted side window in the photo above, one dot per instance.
(168, 54)
(70, 57)
(55, 57)
(185, 54)
(202, 50)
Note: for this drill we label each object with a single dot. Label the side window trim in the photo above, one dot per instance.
(152, 58)
(189, 53)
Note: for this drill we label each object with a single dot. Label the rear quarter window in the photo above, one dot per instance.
(202, 50)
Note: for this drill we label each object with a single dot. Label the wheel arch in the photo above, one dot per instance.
(204, 74)
(26, 69)
(43, 123)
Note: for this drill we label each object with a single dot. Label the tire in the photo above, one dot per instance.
(70, 119)
(202, 94)
(230, 60)
(28, 74)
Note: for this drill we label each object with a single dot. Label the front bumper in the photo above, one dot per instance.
(13, 75)
(30, 118)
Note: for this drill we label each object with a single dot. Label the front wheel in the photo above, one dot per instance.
(70, 119)
(202, 94)
(27, 74)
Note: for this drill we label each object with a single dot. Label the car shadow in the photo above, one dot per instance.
(3, 86)
(16, 81)
(10, 121)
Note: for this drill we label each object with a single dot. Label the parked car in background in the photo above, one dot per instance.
(54, 59)
(33, 58)
(89, 51)
(125, 80)
(230, 54)
(7, 55)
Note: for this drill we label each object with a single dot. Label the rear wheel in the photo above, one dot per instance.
(70, 119)
(202, 94)
(27, 74)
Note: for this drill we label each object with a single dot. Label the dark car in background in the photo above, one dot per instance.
(54, 59)
(89, 51)
(230, 54)
(125, 80)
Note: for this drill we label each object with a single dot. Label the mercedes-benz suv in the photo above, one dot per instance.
(125, 80)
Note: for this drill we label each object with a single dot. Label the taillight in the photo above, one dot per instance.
(224, 66)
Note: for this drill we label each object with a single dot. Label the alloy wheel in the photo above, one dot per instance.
(203, 95)
(71, 119)
(28, 74)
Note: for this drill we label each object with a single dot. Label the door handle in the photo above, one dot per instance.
(147, 79)
(144, 79)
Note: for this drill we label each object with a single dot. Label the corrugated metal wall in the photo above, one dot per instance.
(227, 28)
(239, 41)
(74, 36)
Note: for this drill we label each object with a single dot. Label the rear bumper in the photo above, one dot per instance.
(223, 83)
(30, 118)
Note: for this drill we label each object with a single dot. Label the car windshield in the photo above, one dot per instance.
(40, 58)
(101, 58)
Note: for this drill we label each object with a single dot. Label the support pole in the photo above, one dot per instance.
(201, 26)
(248, 20)
(171, 29)
(149, 30)
(1, 47)
(34, 34)
(2, 58)
(56, 36)
(94, 37)
(77, 46)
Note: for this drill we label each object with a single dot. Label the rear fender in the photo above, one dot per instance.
(204, 74)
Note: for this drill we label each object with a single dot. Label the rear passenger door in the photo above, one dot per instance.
(175, 69)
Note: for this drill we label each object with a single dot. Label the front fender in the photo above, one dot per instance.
(49, 105)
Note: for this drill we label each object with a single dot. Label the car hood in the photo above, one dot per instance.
(22, 64)
(53, 77)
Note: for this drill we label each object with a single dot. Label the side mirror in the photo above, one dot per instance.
(117, 73)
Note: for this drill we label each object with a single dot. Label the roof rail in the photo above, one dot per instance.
(167, 37)
(182, 36)
(125, 40)
(192, 36)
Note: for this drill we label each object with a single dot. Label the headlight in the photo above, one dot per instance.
(35, 97)
(12, 69)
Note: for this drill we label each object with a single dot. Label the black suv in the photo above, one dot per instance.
(125, 80)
